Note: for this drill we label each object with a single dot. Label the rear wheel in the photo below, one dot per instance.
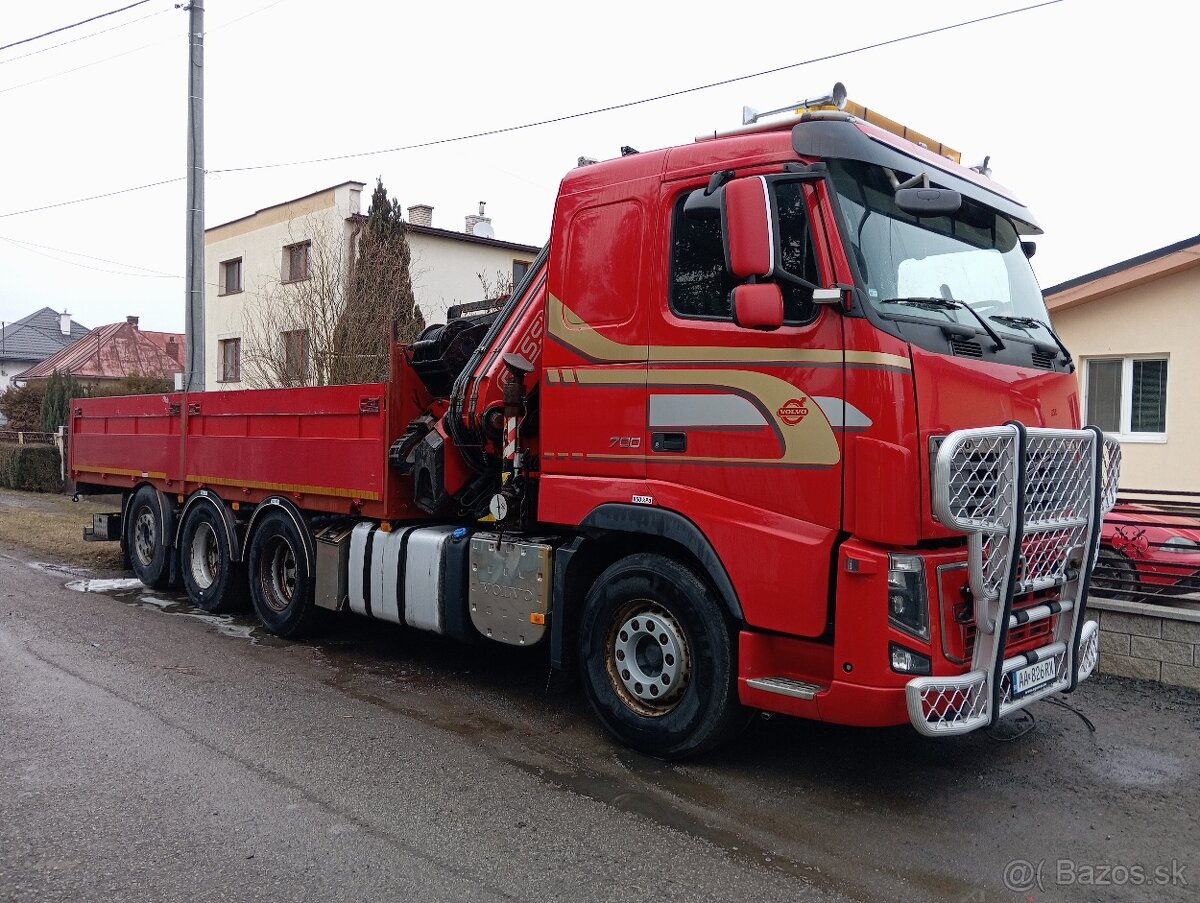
(1115, 576)
(145, 539)
(281, 582)
(656, 658)
(213, 580)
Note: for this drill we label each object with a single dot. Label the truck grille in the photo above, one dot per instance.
(1030, 502)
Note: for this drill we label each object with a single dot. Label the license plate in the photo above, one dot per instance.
(1033, 676)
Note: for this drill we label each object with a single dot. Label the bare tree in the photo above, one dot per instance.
(290, 335)
(495, 287)
(328, 319)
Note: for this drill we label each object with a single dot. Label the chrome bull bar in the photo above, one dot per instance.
(1030, 501)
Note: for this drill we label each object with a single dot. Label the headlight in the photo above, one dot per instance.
(1180, 544)
(908, 601)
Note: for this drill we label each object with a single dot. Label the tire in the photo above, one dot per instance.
(213, 580)
(150, 557)
(281, 584)
(656, 658)
(1115, 577)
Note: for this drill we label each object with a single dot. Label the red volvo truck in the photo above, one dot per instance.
(776, 422)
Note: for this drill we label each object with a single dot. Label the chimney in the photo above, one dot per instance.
(132, 321)
(420, 215)
(479, 225)
(64, 323)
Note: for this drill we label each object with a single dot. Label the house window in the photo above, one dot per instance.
(231, 360)
(1128, 396)
(231, 276)
(296, 261)
(295, 355)
(520, 268)
(701, 286)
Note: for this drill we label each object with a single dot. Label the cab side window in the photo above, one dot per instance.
(700, 284)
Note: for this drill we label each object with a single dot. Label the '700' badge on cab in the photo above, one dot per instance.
(793, 411)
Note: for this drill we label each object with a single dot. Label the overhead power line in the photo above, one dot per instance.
(13, 59)
(117, 56)
(645, 100)
(31, 246)
(46, 34)
(569, 116)
(93, 197)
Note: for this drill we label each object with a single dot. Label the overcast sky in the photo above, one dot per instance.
(1086, 107)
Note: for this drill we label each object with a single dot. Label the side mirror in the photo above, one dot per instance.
(746, 228)
(1029, 247)
(928, 201)
(758, 305)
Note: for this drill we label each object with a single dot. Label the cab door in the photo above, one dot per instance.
(746, 425)
(593, 411)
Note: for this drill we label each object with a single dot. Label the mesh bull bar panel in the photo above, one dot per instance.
(1030, 501)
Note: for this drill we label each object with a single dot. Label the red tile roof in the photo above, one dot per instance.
(114, 352)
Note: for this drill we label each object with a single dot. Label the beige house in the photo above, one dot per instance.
(307, 245)
(1134, 331)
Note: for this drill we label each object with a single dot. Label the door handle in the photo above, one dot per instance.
(671, 442)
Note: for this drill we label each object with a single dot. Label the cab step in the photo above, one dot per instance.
(787, 686)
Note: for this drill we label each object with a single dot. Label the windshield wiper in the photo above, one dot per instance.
(927, 303)
(1034, 323)
(950, 304)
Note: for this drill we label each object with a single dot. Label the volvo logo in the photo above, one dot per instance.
(793, 411)
(505, 592)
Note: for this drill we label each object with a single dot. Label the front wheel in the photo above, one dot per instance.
(281, 581)
(656, 658)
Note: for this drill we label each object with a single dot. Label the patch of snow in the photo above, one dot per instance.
(104, 584)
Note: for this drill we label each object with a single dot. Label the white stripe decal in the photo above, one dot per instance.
(841, 414)
(703, 411)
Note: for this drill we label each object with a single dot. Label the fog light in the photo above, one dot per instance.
(908, 601)
(905, 661)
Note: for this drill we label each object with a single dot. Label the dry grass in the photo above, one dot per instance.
(53, 525)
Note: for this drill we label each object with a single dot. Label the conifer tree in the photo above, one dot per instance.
(379, 295)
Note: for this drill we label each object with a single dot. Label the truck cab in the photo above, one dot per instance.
(771, 334)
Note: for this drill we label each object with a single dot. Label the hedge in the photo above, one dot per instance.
(34, 468)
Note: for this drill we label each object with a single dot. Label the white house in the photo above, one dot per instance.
(313, 238)
(30, 340)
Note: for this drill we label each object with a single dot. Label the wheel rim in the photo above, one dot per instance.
(647, 658)
(145, 536)
(277, 573)
(205, 557)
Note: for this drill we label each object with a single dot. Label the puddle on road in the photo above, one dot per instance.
(131, 591)
(58, 570)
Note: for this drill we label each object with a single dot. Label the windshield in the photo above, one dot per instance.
(921, 267)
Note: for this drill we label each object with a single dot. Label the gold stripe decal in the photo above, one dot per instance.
(810, 441)
(119, 471)
(565, 326)
(286, 487)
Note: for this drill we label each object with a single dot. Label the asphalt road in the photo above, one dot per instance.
(151, 752)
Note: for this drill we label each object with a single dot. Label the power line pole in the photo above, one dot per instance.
(193, 378)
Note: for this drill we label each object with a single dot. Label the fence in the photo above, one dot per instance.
(25, 437)
(1147, 587)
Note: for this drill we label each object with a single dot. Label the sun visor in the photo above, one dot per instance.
(842, 139)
